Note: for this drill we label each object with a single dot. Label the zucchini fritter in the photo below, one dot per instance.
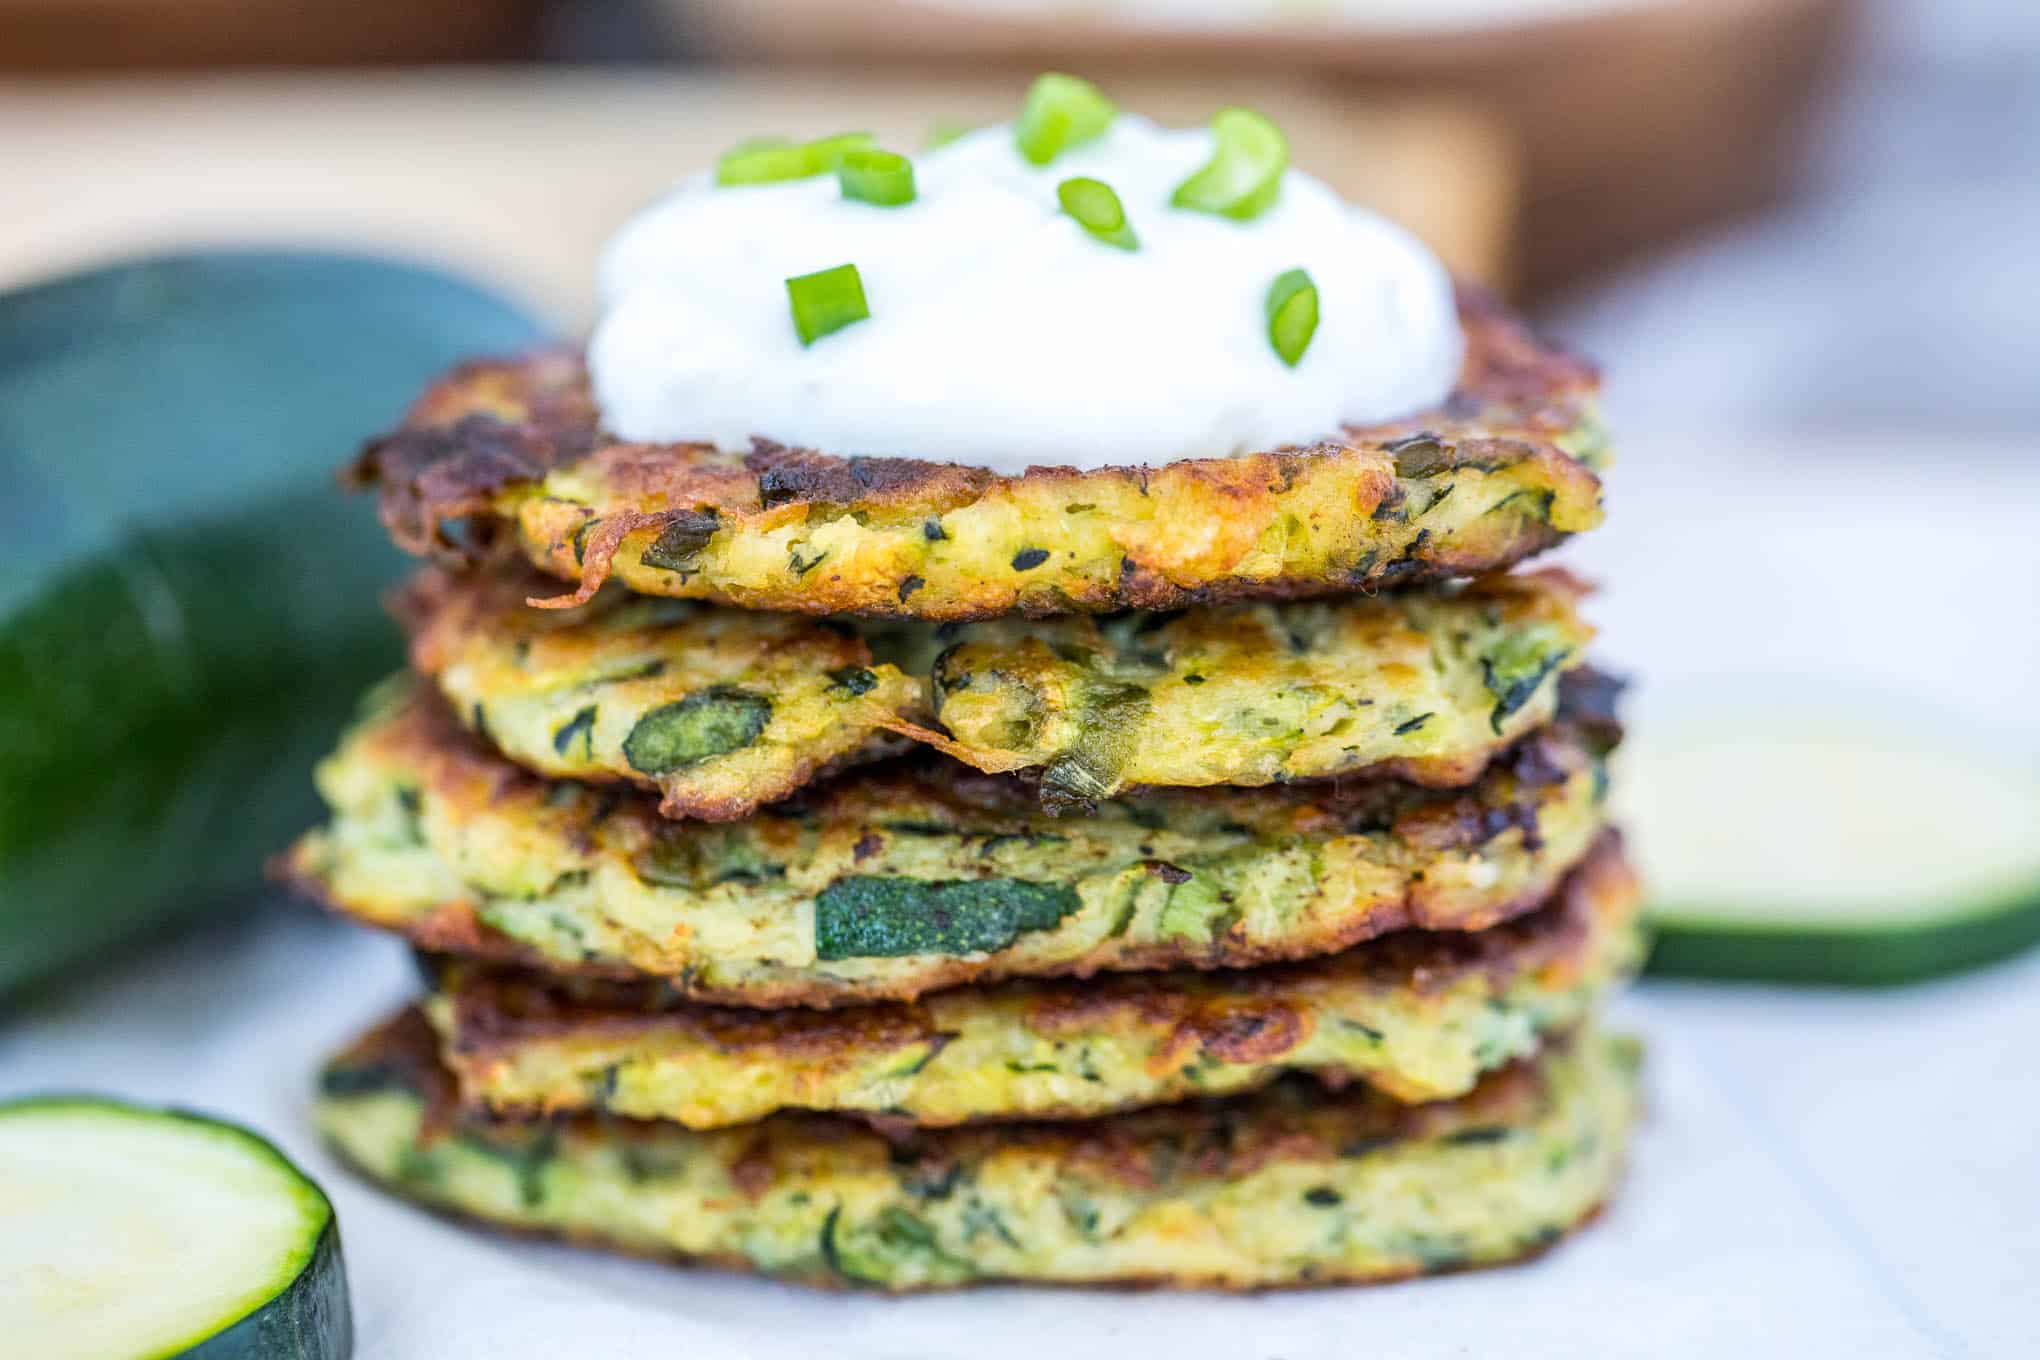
(1425, 685)
(514, 448)
(1419, 1014)
(1293, 1185)
(721, 710)
(900, 880)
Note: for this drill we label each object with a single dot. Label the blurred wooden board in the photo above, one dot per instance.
(1638, 120)
(516, 178)
(44, 36)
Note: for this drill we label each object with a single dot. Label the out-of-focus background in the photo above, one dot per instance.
(1769, 215)
(1803, 236)
(1803, 215)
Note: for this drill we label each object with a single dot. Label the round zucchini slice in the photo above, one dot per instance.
(1833, 849)
(129, 1233)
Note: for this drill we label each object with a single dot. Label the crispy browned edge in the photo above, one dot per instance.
(492, 424)
(455, 928)
(1241, 1016)
(406, 1047)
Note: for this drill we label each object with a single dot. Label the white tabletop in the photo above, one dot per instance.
(1820, 1175)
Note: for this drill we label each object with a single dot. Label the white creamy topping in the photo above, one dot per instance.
(1001, 333)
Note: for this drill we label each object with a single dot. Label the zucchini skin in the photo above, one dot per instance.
(185, 603)
(1688, 945)
(310, 1320)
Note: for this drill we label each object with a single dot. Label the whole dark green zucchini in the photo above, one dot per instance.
(188, 605)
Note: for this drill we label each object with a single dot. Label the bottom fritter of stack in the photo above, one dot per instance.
(1295, 1184)
(1461, 1111)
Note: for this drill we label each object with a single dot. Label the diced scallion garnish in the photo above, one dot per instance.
(773, 161)
(1061, 112)
(1098, 210)
(944, 131)
(1292, 314)
(1244, 173)
(826, 301)
(878, 177)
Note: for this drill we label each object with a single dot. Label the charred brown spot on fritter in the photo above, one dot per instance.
(1247, 1034)
(431, 476)
(788, 475)
(496, 1010)
(752, 1173)
(489, 425)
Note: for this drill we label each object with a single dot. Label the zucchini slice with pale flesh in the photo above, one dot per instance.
(129, 1233)
(1833, 849)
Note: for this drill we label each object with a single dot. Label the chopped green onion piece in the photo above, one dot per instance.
(943, 132)
(772, 161)
(1292, 314)
(762, 160)
(878, 177)
(1061, 112)
(1244, 173)
(831, 150)
(1097, 210)
(826, 301)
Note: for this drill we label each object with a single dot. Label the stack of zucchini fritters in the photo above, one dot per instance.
(900, 874)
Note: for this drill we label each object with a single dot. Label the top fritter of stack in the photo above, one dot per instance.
(514, 451)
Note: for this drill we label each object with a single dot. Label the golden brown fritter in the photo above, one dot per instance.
(1293, 1185)
(1425, 685)
(898, 880)
(1419, 1014)
(723, 710)
(514, 450)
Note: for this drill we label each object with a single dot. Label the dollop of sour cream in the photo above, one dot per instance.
(1002, 334)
